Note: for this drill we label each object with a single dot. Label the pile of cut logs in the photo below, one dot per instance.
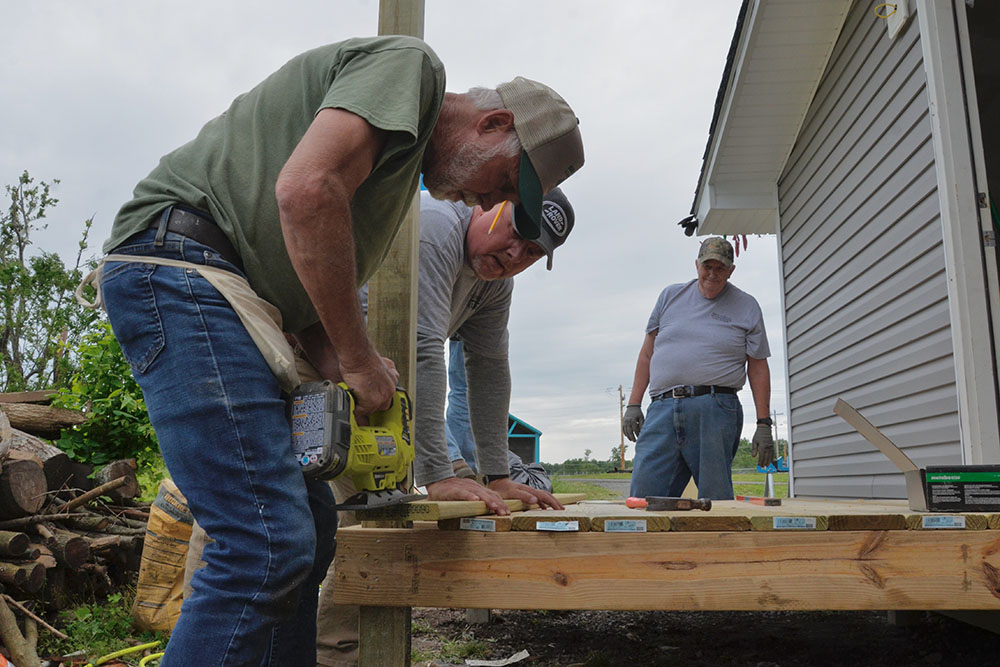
(66, 530)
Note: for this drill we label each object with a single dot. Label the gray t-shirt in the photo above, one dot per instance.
(703, 341)
(452, 300)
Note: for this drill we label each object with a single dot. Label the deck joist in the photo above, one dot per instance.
(859, 555)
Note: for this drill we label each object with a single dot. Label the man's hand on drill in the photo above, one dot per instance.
(763, 445)
(373, 384)
(632, 422)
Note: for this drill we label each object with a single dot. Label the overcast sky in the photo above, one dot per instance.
(94, 93)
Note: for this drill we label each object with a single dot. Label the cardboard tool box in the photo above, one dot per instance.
(944, 488)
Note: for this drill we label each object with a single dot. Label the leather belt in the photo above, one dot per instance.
(687, 391)
(201, 228)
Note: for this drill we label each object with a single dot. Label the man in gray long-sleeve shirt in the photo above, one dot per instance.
(468, 258)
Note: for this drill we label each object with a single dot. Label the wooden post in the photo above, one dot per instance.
(384, 632)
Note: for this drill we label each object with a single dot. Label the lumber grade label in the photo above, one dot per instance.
(558, 526)
(482, 525)
(794, 523)
(624, 526)
(945, 521)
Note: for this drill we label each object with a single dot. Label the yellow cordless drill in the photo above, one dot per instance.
(328, 442)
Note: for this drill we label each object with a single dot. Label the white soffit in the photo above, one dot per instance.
(779, 60)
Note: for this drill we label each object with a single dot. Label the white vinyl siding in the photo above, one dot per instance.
(867, 316)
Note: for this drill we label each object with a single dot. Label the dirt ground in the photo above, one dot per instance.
(704, 639)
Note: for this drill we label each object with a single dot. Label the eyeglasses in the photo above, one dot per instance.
(497, 217)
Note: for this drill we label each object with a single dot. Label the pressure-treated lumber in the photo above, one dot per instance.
(561, 521)
(384, 635)
(826, 570)
(430, 510)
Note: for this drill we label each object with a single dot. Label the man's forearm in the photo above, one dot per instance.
(489, 405)
(432, 462)
(314, 192)
(759, 377)
(641, 380)
(320, 243)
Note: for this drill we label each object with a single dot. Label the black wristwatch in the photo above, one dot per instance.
(493, 478)
(766, 421)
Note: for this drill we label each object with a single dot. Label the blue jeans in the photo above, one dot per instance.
(457, 427)
(220, 419)
(685, 437)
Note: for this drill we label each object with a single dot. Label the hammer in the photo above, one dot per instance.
(652, 503)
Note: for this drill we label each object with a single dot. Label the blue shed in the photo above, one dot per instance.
(523, 439)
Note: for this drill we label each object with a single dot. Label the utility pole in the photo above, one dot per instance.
(384, 637)
(621, 433)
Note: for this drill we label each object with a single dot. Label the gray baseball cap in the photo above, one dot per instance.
(557, 223)
(552, 148)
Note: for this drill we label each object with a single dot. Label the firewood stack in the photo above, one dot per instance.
(64, 530)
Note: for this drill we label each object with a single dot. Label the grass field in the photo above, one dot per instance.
(744, 484)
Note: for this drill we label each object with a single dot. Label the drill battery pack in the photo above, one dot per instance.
(328, 442)
(320, 417)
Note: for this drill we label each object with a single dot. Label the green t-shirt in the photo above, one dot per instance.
(229, 170)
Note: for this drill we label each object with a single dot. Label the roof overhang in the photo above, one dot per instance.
(778, 55)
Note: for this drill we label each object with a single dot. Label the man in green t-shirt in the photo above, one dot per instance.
(263, 226)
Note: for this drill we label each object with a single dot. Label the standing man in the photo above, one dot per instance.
(704, 339)
(266, 223)
(468, 259)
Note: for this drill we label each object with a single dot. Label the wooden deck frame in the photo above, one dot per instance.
(754, 571)
(387, 571)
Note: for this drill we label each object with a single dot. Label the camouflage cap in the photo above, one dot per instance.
(716, 248)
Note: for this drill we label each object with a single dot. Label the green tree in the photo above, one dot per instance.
(41, 321)
(118, 426)
(615, 460)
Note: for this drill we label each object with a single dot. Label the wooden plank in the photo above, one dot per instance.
(706, 521)
(790, 516)
(826, 570)
(44, 396)
(615, 518)
(430, 510)
(568, 520)
(873, 435)
(384, 636)
(777, 521)
(392, 325)
(949, 521)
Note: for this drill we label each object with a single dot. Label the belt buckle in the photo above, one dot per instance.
(680, 392)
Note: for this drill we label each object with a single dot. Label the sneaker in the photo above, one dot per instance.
(462, 469)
